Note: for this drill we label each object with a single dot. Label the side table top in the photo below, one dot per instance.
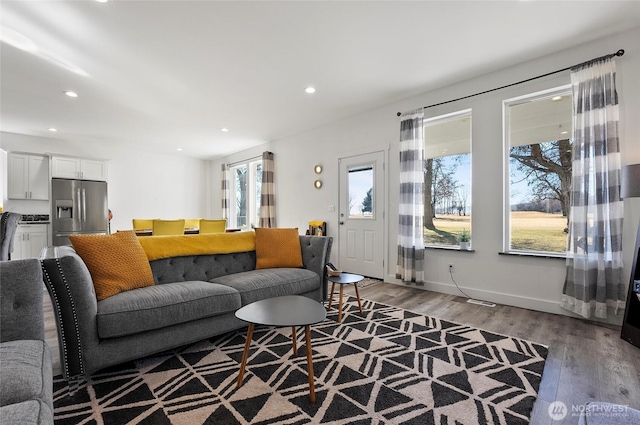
(290, 310)
(345, 278)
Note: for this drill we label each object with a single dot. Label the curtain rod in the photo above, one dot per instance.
(231, 164)
(618, 53)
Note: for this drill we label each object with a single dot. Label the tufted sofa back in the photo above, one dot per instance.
(201, 267)
(316, 252)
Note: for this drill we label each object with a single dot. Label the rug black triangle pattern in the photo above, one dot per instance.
(384, 366)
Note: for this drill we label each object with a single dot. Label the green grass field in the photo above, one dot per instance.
(531, 231)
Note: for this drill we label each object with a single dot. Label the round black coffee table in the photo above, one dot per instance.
(291, 310)
(344, 279)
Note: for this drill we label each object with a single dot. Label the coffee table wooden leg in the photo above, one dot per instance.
(295, 340)
(333, 285)
(312, 389)
(358, 296)
(340, 305)
(245, 354)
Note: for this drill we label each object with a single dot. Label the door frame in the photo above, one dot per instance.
(384, 202)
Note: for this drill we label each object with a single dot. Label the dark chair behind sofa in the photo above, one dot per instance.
(8, 225)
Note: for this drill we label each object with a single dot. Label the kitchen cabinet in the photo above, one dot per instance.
(27, 176)
(29, 240)
(78, 168)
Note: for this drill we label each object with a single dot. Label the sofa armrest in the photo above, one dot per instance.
(75, 306)
(21, 293)
(316, 253)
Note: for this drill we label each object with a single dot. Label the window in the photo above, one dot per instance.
(538, 159)
(361, 196)
(246, 184)
(447, 178)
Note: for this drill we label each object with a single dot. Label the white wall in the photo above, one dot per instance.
(528, 282)
(171, 186)
(140, 184)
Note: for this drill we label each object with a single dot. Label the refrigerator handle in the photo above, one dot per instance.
(79, 204)
(84, 205)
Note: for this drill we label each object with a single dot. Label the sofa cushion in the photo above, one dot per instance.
(26, 372)
(278, 248)
(159, 306)
(117, 262)
(267, 283)
(27, 413)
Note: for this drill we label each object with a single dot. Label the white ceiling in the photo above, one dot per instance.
(163, 75)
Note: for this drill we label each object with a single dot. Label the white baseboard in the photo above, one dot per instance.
(514, 300)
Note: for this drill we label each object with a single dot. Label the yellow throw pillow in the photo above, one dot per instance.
(278, 248)
(117, 262)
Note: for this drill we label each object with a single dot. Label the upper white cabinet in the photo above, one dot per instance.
(27, 176)
(78, 168)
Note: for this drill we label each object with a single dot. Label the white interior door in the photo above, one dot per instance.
(362, 201)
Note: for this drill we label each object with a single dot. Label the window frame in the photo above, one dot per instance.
(253, 210)
(562, 90)
(452, 116)
(365, 166)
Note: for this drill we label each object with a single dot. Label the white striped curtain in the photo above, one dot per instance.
(226, 192)
(267, 194)
(410, 265)
(594, 257)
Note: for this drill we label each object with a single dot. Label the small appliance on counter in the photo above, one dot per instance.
(34, 219)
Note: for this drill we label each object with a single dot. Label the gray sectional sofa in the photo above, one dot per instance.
(194, 298)
(26, 382)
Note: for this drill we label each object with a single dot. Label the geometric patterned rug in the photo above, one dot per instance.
(384, 366)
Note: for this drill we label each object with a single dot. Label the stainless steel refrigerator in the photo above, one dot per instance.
(77, 206)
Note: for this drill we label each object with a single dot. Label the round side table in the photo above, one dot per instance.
(344, 279)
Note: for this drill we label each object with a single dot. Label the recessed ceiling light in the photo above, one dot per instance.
(178, 149)
(53, 130)
(564, 132)
(310, 90)
(71, 93)
(102, 1)
(224, 129)
(556, 98)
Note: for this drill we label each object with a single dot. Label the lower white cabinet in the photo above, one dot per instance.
(29, 241)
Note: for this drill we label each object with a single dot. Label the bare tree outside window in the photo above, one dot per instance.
(447, 178)
(540, 162)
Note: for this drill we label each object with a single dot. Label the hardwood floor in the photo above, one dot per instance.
(586, 361)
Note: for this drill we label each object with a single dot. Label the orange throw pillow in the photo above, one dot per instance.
(278, 248)
(117, 262)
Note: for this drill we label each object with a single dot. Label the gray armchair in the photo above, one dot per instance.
(26, 386)
(8, 225)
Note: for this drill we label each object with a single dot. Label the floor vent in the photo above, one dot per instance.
(480, 302)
